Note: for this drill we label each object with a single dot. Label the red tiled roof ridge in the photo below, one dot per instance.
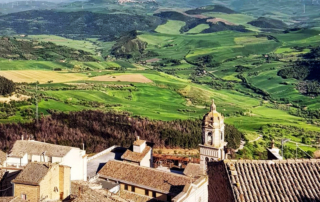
(144, 177)
(21, 147)
(41, 168)
(139, 142)
(39, 142)
(153, 169)
(271, 180)
(135, 156)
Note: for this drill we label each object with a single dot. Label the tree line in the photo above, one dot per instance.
(99, 130)
(6, 86)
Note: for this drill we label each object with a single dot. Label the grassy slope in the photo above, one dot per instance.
(171, 27)
(198, 29)
(75, 44)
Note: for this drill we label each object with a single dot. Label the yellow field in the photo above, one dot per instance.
(31, 76)
(138, 78)
(249, 40)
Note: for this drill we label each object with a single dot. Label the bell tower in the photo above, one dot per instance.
(213, 144)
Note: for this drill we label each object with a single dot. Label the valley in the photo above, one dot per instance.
(168, 64)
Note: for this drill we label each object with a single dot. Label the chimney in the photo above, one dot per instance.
(82, 146)
(138, 138)
(274, 152)
(272, 144)
(21, 137)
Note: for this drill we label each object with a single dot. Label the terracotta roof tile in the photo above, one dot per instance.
(3, 157)
(21, 147)
(81, 192)
(284, 180)
(144, 177)
(33, 173)
(135, 156)
(192, 170)
(2, 173)
(11, 199)
(138, 142)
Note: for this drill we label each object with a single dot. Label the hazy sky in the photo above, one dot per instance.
(57, 1)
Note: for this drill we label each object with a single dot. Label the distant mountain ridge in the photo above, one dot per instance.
(11, 48)
(76, 24)
(264, 22)
(192, 21)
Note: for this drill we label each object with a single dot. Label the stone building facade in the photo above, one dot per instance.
(43, 181)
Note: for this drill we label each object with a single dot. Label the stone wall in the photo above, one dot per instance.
(49, 186)
(64, 181)
(32, 192)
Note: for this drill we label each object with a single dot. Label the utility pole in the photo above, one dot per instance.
(282, 143)
(37, 112)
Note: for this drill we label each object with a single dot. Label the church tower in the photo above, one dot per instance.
(213, 144)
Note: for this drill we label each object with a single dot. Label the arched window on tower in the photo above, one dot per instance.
(209, 138)
(207, 159)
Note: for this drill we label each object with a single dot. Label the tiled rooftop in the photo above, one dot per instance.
(81, 191)
(33, 173)
(21, 147)
(3, 157)
(144, 177)
(138, 142)
(252, 180)
(192, 170)
(135, 156)
(11, 199)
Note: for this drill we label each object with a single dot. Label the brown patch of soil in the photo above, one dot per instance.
(137, 78)
(216, 20)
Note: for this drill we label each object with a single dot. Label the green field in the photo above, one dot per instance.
(192, 69)
(76, 44)
(198, 29)
(171, 27)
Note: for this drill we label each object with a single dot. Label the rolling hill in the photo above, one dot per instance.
(75, 24)
(165, 60)
(263, 22)
(11, 48)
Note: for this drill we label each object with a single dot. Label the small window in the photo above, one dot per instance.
(133, 189)
(126, 187)
(146, 192)
(24, 196)
(168, 198)
(154, 194)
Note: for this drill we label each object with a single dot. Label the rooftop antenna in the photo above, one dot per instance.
(296, 150)
(43, 154)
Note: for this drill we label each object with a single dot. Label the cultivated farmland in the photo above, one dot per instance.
(31, 76)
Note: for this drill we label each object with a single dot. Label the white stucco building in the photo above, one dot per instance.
(141, 154)
(25, 151)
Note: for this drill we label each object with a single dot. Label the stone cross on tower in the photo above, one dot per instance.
(213, 144)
